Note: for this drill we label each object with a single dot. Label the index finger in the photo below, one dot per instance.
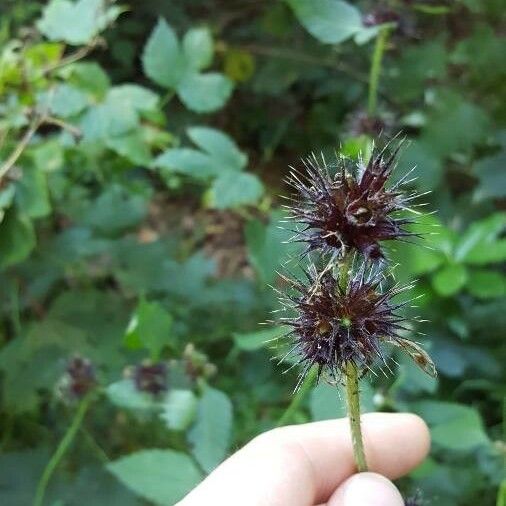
(302, 465)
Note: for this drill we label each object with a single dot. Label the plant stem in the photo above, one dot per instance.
(62, 448)
(303, 390)
(374, 74)
(353, 402)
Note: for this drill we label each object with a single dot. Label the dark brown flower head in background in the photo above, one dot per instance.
(351, 206)
(151, 377)
(79, 379)
(336, 325)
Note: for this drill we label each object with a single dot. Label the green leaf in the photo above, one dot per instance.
(134, 96)
(32, 195)
(492, 177)
(189, 162)
(64, 101)
(150, 328)
(131, 146)
(124, 394)
(453, 426)
(220, 146)
(161, 476)
(450, 279)
(501, 494)
(76, 23)
(162, 60)
(115, 210)
(204, 92)
(233, 189)
(479, 244)
(330, 21)
(252, 341)
(211, 434)
(266, 246)
(17, 238)
(179, 409)
(486, 284)
(89, 77)
(198, 48)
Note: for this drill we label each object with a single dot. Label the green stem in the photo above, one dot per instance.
(374, 74)
(62, 448)
(304, 389)
(353, 402)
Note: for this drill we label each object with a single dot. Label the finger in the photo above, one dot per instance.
(369, 489)
(303, 464)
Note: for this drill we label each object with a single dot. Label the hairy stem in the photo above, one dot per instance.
(353, 402)
(374, 74)
(301, 394)
(62, 448)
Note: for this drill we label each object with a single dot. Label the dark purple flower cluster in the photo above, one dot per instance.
(343, 314)
(336, 324)
(351, 209)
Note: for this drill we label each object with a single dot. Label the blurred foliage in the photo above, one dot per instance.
(143, 149)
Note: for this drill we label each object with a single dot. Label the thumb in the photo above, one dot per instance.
(366, 489)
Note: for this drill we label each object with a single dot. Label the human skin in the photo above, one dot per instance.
(312, 464)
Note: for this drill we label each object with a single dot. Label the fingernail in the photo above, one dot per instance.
(367, 489)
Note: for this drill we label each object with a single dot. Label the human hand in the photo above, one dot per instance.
(304, 465)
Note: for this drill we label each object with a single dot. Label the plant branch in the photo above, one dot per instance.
(62, 448)
(375, 71)
(20, 147)
(353, 403)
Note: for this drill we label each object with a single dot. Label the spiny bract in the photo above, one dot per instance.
(349, 207)
(338, 324)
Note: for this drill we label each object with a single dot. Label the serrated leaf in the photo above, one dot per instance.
(330, 21)
(189, 162)
(179, 409)
(131, 146)
(161, 476)
(204, 92)
(211, 435)
(64, 101)
(234, 189)
(198, 48)
(162, 59)
(76, 23)
(134, 96)
(220, 146)
(150, 328)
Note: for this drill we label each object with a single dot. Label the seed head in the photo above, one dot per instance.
(352, 209)
(338, 324)
(151, 377)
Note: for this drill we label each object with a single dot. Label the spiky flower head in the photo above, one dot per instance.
(337, 324)
(349, 207)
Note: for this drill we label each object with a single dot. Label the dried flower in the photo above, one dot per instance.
(78, 380)
(338, 324)
(354, 209)
(151, 377)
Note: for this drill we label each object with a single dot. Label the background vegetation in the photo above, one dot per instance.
(142, 152)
